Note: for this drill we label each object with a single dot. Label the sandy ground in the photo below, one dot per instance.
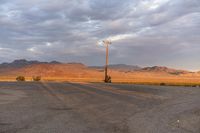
(98, 108)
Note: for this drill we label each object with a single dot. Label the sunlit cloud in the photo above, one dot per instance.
(33, 49)
(153, 4)
(48, 44)
(120, 37)
(6, 49)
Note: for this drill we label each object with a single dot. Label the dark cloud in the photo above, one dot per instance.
(147, 32)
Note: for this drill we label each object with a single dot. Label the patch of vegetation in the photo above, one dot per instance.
(20, 78)
(162, 84)
(36, 78)
(108, 79)
(194, 86)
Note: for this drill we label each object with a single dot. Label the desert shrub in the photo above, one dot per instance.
(108, 79)
(175, 73)
(36, 78)
(194, 85)
(162, 84)
(20, 78)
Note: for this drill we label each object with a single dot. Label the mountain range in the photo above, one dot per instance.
(53, 68)
(22, 63)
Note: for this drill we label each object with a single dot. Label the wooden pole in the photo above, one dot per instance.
(106, 66)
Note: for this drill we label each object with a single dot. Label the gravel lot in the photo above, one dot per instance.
(97, 108)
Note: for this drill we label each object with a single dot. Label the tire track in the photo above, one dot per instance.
(118, 90)
(140, 102)
(90, 109)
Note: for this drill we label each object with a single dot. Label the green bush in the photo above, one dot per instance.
(20, 78)
(36, 78)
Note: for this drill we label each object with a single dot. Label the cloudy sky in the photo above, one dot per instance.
(143, 32)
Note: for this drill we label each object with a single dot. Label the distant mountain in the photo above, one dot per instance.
(164, 69)
(22, 63)
(119, 67)
(55, 62)
(53, 68)
(134, 68)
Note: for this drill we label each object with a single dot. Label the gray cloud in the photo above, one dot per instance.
(147, 32)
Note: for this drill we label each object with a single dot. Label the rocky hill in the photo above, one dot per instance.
(164, 70)
(23, 63)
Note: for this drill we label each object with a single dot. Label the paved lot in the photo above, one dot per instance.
(98, 108)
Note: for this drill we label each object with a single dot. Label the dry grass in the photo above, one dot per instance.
(175, 81)
(79, 73)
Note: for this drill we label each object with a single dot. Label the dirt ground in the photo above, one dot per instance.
(66, 107)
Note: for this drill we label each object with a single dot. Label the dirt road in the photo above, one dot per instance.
(98, 108)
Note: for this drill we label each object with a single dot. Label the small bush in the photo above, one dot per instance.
(36, 78)
(20, 78)
(162, 84)
(194, 86)
(108, 79)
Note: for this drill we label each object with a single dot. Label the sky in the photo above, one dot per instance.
(143, 32)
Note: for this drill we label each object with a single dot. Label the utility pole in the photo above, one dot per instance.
(107, 78)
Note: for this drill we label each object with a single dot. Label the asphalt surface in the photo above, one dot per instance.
(98, 108)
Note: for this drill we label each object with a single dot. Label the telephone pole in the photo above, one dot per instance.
(107, 78)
